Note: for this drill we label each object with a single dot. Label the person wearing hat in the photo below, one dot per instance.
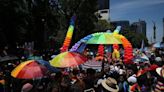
(159, 87)
(109, 85)
(131, 84)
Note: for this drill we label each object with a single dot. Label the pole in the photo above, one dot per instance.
(109, 13)
(163, 31)
(154, 31)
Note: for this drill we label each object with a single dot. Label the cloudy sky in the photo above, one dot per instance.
(133, 10)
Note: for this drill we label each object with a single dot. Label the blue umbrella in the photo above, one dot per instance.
(158, 45)
(47, 64)
(140, 59)
(34, 58)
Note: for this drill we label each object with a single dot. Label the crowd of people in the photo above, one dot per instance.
(117, 77)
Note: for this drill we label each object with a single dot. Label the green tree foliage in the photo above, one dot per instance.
(44, 22)
(134, 38)
(27, 20)
(13, 20)
(103, 25)
(84, 10)
(86, 18)
(39, 21)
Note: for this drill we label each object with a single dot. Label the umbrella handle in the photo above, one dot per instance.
(102, 69)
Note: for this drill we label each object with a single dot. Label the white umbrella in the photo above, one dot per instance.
(94, 65)
(144, 57)
(157, 45)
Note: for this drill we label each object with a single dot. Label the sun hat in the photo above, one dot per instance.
(160, 71)
(110, 84)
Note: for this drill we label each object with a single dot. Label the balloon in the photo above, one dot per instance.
(115, 54)
(101, 50)
(117, 30)
(81, 41)
(99, 58)
(128, 56)
(69, 34)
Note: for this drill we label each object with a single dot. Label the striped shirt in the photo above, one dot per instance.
(159, 87)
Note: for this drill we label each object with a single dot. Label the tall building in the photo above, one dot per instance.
(139, 27)
(163, 27)
(123, 23)
(104, 9)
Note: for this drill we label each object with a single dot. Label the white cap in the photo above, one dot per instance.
(158, 59)
(132, 79)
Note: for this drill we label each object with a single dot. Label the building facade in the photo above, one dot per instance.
(123, 23)
(139, 27)
(104, 9)
(163, 28)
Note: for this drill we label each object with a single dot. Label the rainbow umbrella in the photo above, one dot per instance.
(104, 38)
(29, 70)
(47, 65)
(68, 59)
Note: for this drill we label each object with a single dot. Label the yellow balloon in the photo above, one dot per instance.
(116, 54)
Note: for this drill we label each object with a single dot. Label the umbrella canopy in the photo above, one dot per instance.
(104, 38)
(68, 59)
(29, 70)
(47, 65)
(137, 60)
(141, 58)
(8, 58)
(144, 57)
(158, 45)
(34, 58)
(93, 64)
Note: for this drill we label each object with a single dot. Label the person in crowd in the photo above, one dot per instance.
(159, 87)
(55, 83)
(109, 85)
(27, 87)
(131, 84)
(121, 80)
(2, 81)
(77, 84)
(90, 78)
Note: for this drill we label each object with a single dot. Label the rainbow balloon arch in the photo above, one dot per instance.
(79, 46)
(128, 49)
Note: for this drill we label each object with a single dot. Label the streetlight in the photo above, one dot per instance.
(154, 29)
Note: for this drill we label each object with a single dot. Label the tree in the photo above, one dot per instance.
(103, 25)
(27, 20)
(13, 21)
(134, 38)
(38, 20)
(44, 22)
(85, 18)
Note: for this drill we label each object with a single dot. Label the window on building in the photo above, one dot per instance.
(104, 11)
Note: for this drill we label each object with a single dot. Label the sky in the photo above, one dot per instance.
(133, 10)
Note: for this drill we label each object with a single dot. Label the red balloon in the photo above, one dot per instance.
(101, 50)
